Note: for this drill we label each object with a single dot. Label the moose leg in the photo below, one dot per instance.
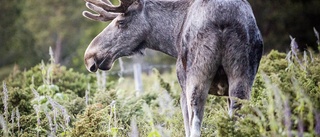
(183, 100)
(240, 72)
(199, 77)
(197, 92)
(240, 83)
(184, 108)
(239, 88)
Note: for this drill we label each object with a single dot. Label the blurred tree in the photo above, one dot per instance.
(279, 19)
(9, 14)
(28, 28)
(15, 40)
(58, 24)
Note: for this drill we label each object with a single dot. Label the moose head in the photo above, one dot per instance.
(135, 25)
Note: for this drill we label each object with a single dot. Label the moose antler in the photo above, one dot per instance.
(103, 7)
(108, 6)
(102, 14)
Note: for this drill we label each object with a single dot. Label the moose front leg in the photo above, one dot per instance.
(184, 108)
(181, 73)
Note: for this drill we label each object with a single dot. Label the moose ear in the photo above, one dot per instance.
(141, 2)
(137, 5)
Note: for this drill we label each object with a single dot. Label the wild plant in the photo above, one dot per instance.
(64, 113)
(317, 128)
(113, 129)
(36, 107)
(5, 102)
(317, 36)
(149, 117)
(293, 55)
(12, 121)
(18, 119)
(287, 103)
(48, 88)
(38, 128)
(55, 115)
(276, 108)
(4, 118)
(4, 126)
(51, 126)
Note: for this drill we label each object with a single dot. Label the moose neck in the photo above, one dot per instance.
(165, 18)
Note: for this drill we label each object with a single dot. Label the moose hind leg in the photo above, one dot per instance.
(240, 78)
(239, 88)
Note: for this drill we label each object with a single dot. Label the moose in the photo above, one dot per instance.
(217, 44)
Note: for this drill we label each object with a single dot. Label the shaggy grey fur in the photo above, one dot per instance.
(217, 44)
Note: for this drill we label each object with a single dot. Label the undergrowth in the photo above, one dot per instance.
(51, 100)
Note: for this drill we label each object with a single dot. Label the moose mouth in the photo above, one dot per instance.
(105, 64)
(93, 64)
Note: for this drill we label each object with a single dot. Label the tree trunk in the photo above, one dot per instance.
(57, 50)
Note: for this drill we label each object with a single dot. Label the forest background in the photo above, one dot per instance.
(49, 92)
(29, 28)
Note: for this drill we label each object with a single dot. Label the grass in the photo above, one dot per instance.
(50, 100)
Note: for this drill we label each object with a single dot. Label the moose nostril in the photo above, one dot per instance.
(94, 67)
(91, 64)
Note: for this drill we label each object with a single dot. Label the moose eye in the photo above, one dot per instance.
(121, 23)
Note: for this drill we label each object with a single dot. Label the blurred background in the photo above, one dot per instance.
(28, 28)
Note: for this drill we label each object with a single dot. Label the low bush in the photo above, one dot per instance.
(51, 100)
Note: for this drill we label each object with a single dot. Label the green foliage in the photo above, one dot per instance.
(287, 73)
(285, 98)
(49, 80)
(113, 113)
(287, 89)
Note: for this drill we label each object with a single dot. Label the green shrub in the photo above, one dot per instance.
(65, 86)
(285, 100)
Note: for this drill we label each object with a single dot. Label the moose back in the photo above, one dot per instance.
(217, 44)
